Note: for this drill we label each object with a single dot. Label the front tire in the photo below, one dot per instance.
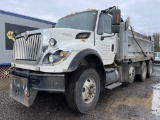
(83, 90)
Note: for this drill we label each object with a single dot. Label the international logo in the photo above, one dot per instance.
(11, 35)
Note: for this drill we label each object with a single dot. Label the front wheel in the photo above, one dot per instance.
(83, 90)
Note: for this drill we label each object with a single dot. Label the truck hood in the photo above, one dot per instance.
(65, 33)
(61, 35)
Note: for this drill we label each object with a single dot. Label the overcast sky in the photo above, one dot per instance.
(145, 14)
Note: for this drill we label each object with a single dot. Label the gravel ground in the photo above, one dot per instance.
(131, 102)
(4, 84)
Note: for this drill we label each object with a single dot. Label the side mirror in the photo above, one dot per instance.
(115, 28)
(116, 17)
(116, 20)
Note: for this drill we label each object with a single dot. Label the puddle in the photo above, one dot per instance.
(145, 102)
(156, 100)
(150, 101)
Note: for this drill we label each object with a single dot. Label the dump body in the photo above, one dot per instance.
(133, 48)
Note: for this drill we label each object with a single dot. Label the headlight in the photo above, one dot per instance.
(51, 58)
(56, 56)
(52, 42)
(61, 54)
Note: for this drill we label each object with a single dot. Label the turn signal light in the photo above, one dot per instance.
(64, 53)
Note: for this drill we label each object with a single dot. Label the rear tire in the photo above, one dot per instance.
(83, 90)
(131, 73)
(149, 69)
(143, 69)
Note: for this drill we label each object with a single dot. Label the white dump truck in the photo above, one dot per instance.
(86, 53)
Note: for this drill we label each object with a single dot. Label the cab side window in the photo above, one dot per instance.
(104, 24)
(100, 25)
(107, 24)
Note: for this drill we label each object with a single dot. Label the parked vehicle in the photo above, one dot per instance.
(157, 57)
(86, 53)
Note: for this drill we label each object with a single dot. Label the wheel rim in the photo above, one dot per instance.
(89, 90)
(131, 74)
(144, 71)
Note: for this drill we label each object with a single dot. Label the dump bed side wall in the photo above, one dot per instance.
(134, 51)
(128, 49)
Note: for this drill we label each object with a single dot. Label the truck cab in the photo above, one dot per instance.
(85, 53)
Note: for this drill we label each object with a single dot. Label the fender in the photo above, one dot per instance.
(77, 59)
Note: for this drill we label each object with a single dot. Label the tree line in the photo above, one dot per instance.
(156, 37)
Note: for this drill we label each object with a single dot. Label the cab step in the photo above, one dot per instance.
(114, 85)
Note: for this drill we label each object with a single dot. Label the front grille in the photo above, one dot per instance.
(27, 49)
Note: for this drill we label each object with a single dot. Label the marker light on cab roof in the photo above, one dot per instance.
(91, 9)
(78, 12)
(72, 14)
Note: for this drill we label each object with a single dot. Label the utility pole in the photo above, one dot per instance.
(158, 36)
(158, 42)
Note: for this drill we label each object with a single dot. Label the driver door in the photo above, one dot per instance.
(105, 40)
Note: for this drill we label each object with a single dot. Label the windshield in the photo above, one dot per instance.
(81, 21)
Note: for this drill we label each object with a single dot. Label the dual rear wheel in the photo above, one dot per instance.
(146, 70)
(143, 70)
(149, 69)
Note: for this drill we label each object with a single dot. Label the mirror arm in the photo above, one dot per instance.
(102, 37)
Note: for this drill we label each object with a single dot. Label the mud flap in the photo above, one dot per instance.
(20, 90)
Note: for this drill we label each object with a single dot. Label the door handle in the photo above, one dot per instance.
(112, 49)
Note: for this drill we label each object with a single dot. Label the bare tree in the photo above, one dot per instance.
(156, 37)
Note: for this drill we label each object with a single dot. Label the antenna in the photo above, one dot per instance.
(117, 4)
